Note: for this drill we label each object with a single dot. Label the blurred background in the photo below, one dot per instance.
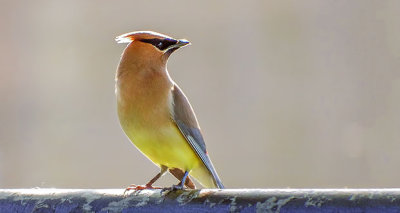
(299, 94)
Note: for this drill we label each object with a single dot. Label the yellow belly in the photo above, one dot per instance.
(164, 146)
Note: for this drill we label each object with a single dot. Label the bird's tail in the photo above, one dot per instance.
(217, 181)
(207, 178)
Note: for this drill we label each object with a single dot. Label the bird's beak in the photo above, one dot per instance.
(181, 43)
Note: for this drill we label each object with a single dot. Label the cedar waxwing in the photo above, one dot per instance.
(156, 115)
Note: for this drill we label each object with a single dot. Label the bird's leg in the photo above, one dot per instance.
(182, 183)
(148, 185)
(178, 173)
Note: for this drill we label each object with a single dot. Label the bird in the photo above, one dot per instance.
(156, 115)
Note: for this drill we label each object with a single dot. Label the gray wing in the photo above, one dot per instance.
(186, 121)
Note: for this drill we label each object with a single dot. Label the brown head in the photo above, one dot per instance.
(142, 70)
(147, 49)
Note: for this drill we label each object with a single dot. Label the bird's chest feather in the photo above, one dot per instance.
(144, 110)
(144, 101)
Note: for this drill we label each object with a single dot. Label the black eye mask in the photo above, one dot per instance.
(161, 44)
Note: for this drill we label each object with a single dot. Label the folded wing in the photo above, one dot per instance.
(186, 121)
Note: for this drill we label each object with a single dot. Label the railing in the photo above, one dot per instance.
(205, 200)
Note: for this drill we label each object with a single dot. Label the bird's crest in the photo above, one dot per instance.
(125, 38)
(137, 35)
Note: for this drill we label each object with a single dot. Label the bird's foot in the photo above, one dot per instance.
(173, 188)
(177, 187)
(140, 187)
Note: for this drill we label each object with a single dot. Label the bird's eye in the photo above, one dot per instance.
(160, 44)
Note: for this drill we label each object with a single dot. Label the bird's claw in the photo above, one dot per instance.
(176, 187)
(139, 187)
(172, 188)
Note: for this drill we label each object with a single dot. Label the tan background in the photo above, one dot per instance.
(288, 93)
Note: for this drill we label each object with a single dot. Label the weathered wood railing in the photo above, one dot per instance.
(206, 200)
